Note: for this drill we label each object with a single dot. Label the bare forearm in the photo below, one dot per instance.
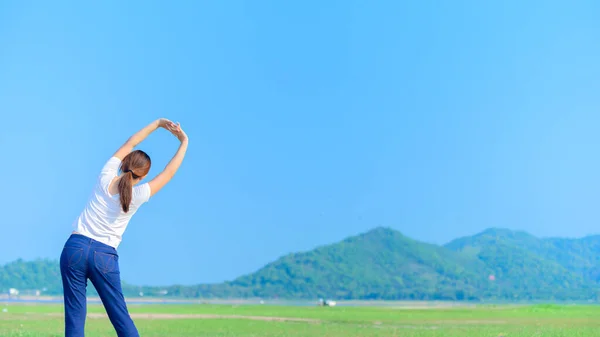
(139, 136)
(177, 159)
(165, 176)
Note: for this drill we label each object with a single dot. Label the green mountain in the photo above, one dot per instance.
(384, 264)
(379, 264)
(31, 275)
(528, 267)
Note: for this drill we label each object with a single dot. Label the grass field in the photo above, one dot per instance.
(271, 321)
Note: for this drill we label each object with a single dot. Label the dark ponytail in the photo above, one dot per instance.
(134, 166)
(126, 190)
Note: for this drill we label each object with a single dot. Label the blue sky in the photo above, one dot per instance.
(308, 122)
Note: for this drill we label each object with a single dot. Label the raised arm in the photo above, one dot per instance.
(165, 176)
(139, 136)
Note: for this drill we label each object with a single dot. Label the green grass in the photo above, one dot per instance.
(492, 321)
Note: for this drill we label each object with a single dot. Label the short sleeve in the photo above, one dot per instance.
(142, 193)
(111, 166)
(109, 171)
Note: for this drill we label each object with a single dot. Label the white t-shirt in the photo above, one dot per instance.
(103, 218)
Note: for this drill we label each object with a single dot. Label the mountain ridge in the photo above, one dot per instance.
(383, 263)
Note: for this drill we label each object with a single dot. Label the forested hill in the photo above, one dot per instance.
(384, 264)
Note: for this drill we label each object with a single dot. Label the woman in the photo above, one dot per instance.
(90, 252)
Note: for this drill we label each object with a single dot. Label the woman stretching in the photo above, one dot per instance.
(90, 252)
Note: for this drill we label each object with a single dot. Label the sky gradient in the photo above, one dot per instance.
(308, 122)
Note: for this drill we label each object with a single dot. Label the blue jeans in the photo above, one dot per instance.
(83, 258)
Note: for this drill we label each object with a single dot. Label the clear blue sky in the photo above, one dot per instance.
(309, 121)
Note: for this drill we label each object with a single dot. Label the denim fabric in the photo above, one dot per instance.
(83, 258)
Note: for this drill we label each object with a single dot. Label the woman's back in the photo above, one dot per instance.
(103, 218)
